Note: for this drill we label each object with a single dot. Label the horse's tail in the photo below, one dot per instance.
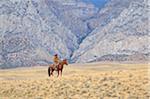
(49, 71)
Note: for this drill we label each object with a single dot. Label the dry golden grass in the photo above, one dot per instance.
(88, 81)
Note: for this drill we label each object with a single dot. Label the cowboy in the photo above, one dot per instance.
(56, 60)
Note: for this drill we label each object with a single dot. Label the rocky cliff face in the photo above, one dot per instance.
(75, 15)
(31, 31)
(122, 38)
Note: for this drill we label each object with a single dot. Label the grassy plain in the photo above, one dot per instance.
(79, 81)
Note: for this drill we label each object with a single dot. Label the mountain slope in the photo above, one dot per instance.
(74, 14)
(124, 38)
(31, 33)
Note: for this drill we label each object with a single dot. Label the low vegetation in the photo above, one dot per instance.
(88, 81)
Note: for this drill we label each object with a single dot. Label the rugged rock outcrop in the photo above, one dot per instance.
(31, 31)
(124, 36)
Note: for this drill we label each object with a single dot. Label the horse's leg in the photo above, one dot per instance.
(49, 71)
(58, 73)
(52, 72)
(61, 72)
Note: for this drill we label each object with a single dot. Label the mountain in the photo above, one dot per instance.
(31, 34)
(74, 14)
(124, 38)
(32, 31)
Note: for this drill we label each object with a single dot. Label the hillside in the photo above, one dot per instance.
(32, 31)
(124, 38)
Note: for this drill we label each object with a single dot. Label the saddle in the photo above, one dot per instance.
(55, 66)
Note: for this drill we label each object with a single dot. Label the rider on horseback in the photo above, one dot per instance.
(56, 60)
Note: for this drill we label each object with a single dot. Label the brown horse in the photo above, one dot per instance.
(59, 68)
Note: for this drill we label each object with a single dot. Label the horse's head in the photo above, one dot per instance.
(65, 62)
